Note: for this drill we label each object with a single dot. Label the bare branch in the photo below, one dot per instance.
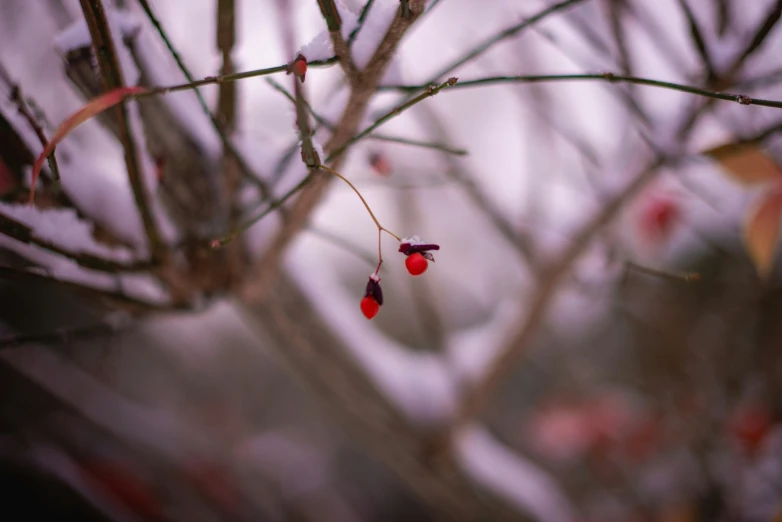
(608, 77)
(111, 72)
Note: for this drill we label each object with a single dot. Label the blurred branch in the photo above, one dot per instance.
(341, 48)
(522, 242)
(361, 18)
(727, 77)
(111, 73)
(66, 335)
(273, 205)
(477, 396)
(227, 142)
(502, 35)
(758, 39)
(119, 300)
(699, 42)
(311, 349)
(396, 111)
(18, 99)
(24, 234)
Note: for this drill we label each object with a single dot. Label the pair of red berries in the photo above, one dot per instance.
(417, 261)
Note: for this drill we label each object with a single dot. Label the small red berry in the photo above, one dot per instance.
(369, 306)
(416, 263)
(299, 67)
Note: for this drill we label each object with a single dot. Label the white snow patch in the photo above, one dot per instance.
(77, 35)
(375, 26)
(63, 228)
(505, 473)
(471, 351)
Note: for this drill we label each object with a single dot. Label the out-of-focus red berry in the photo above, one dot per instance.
(215, 483)
(416, 263)
(369, 307)
(129, 489)
(658, 217)
(750, 425)
(380, 164)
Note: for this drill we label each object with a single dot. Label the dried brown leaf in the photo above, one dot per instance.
(745, 162)
(761, 232)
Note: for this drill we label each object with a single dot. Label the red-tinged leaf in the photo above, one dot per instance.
(93, 108)
(746, 163)
(761, 232)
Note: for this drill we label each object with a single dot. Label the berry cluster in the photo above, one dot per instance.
(418, 256)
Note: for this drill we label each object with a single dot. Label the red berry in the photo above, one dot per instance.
(416, 263)
(369, 307)
(750, 425)
(299, 67)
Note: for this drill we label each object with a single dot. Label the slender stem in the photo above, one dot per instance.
(699, 41)
(65, 335)
(210, 80)
(120, 299)
(687, 277)
(608, 77)
(361, 18)
(379, 252)
(224, 240)
(502, 35)
(342, 243)
(428, 93)
(24, 234)
(366, 205)
(24, 110)
(379, 137)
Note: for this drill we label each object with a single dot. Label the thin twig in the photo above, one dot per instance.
(342, 243)
(341, 48)
(24, 234)
(18, 99)
(380, 227)
(63, 335)
(121, 300)
(522, 242)
(727, 77)
(274, 205)
(608, 77)
(226, 140)
(361, 18)
(478, 395)
(379, 137)
(700, 43)
(396, 111)
(502, 35)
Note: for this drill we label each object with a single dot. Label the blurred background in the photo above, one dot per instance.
(617, 239)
